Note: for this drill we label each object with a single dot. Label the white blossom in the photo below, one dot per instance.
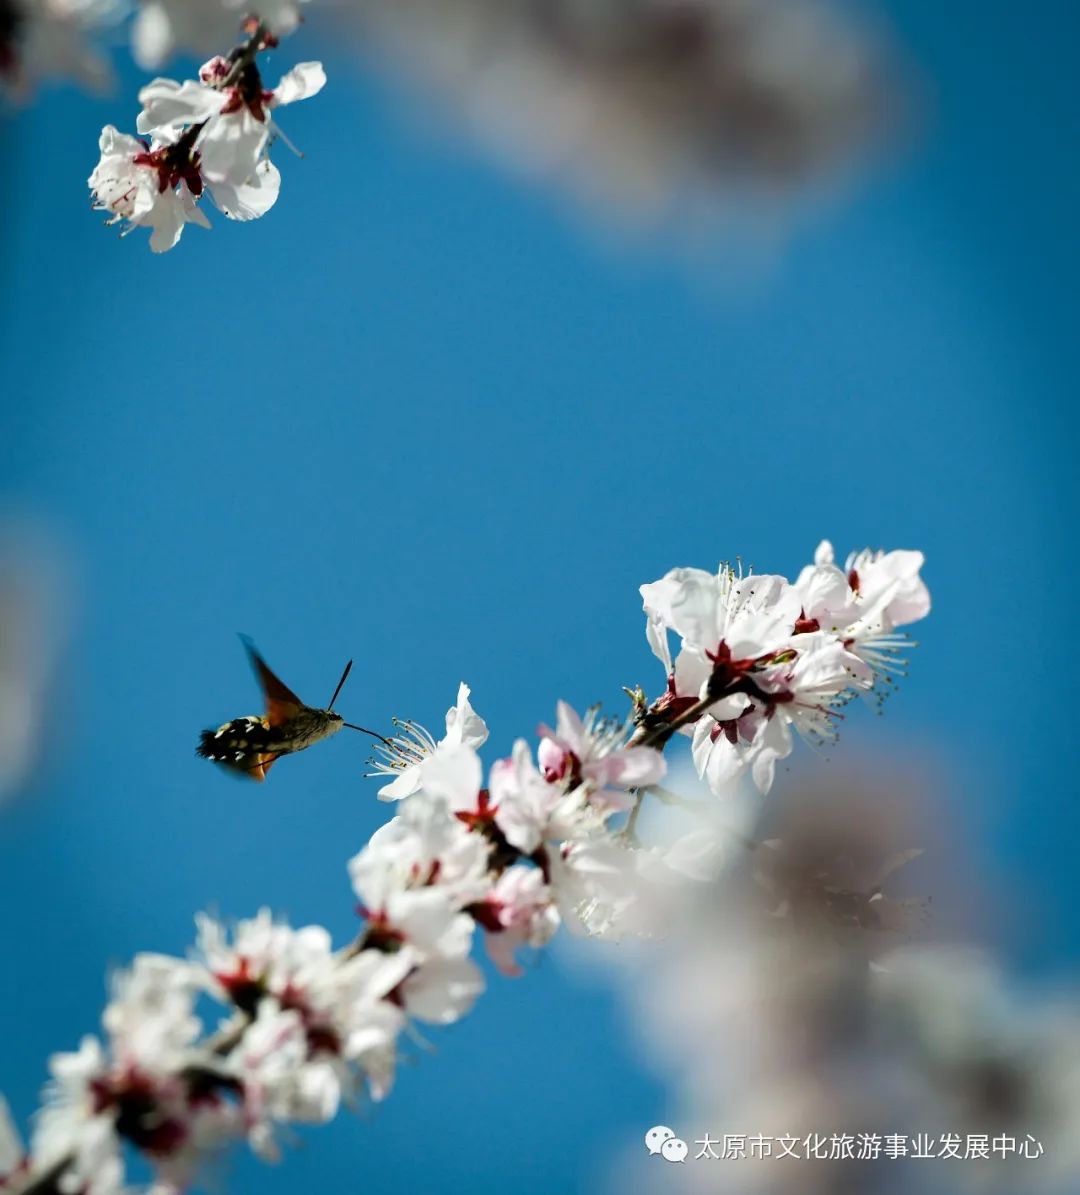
(156, 186)
(520, 911)
(150, 1018)
(864, 603)
(403, 755)
(234, 127)
(76, 1123)
(774, 657)
(207, 135)
(531, 811)
(595, 752)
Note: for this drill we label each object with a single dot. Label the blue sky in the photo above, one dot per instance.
(417, 416)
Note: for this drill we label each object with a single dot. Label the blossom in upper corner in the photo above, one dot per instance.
(164, 27)
(209, 135)
(402, 756)
(230, 108)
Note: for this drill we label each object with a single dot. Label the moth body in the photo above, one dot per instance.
(249, 745)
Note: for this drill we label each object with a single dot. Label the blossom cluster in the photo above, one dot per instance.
(210, 135)
(541, 838)
(760, 656)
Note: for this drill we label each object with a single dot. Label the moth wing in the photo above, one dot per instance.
(262, 765)
(282, 704)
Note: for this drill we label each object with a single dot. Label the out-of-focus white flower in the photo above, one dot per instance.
(988, 1055)
(150, 1017)
(782, 1004)
(442, 989)
(94, 1104)
(402, 755)
(45, 39)
(341, 1006)
(282, 1080)
(13, 1156)
(152, 1088)
(709, 104)
(165, 27)
(598, 885)
(262, 956)
(370, 1015)
(79, 1123)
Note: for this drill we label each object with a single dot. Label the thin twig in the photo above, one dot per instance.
(658, 736)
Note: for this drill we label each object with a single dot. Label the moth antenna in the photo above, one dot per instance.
(344, 675)
(364, 730)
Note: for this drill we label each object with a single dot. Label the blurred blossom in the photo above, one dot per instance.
(12, 1150)
(165, 27)
(986, 1056)
(31, 618)
(643, 103)
(791, 1000)
(42, 39)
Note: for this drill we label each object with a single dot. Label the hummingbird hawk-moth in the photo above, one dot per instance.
(250, 745)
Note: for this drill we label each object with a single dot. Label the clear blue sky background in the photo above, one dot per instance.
(418, 417)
